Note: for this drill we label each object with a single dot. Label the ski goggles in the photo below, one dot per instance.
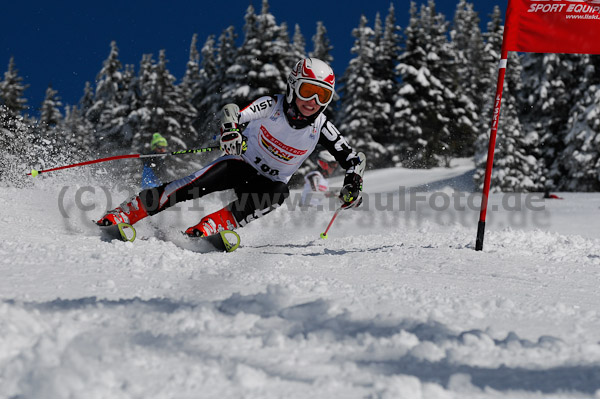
(308, 90)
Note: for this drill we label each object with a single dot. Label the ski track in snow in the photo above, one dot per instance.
(385, 308)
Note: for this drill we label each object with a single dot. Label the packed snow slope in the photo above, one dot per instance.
(395, 304)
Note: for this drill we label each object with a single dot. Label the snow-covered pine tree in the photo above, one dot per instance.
(291, 53)
(132, 102)
(550, 89)
(50, 115)
(467, 48)
(77, 132)
(387, 49)
(48, 141)
(12, 90)
(208, 97)
(87, 100)
(207, 81)
(321, 44)
(242, 75)
(191, 79)
(107, 114)
(298, 42)
(15, 130)
(197, 80)
(259, 68)
(361, 97)
(427, 113)
(16, 153)
(580, 158)
(515, 168)
(277, 54)
(164, 109)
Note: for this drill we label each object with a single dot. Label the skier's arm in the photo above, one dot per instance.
(232, 120)
(259, 108)
(348, 159)
(337, 145)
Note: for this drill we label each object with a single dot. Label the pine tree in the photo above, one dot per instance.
(15, 130)
(515, 168)
(195, 82)
(207, 81)
(259, 68)
(15, 148)
(164, 109)
(191, 80)
(208, 98)
(48, 141)
(285, 52)
(321, 44)
(87, 100)
(580, 159)
(50, 115)
(387, 48)
(465, 81)
(360, 98)
(427, 114)
(77, 132)
(12, 90)
(298, 43)
(550, 90)
(277, 53)
(107, 114)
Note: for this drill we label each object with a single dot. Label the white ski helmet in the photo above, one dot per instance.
(311, 78)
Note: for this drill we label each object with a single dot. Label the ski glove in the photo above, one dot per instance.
(350, 194)
(232, 142)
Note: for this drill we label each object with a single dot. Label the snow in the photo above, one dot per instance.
(395, 304)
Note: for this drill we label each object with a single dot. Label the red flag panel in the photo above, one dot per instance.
(553, 26)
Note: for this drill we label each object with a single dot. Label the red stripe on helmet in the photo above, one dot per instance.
(307, 72)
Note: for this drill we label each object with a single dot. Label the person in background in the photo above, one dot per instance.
(316, 186)
(154, 168)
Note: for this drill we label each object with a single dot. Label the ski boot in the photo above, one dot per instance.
(213, 223)
(129, 212)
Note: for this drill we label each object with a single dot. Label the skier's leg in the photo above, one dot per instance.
(257, 199)
(257, 196)
(130, 211)
(224, 173)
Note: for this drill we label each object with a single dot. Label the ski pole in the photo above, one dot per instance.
(324, 234)
(35, 172)
(341, 208)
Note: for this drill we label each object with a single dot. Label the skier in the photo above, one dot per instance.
(154, 168)
(281, 132)
(316, 186)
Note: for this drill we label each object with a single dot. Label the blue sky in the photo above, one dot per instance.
(64, 43)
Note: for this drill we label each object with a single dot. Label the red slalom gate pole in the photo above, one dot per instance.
(492, 145)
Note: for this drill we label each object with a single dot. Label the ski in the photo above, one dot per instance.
(224, 241)
(121, 231)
